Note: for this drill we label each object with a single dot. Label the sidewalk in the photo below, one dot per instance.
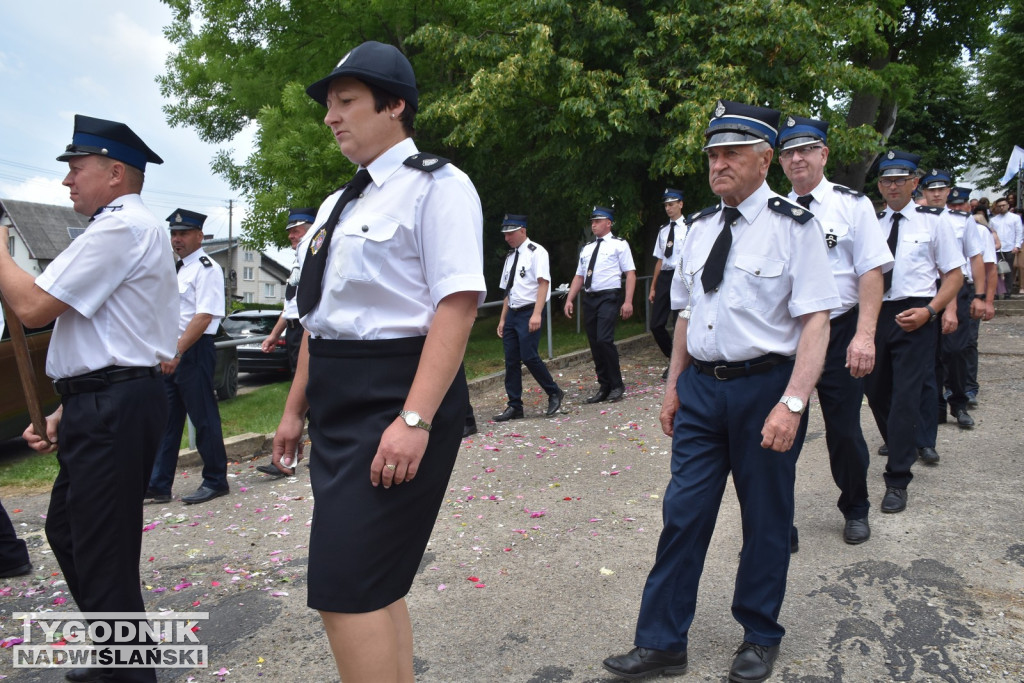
(539, 555)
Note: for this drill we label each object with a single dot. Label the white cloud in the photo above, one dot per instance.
(36, 189)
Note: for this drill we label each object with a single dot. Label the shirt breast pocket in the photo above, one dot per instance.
(366, 243)
(835, 232)
(758, 282)
(914, 244)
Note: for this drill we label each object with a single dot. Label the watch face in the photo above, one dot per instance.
(412, 419)
(795, 404)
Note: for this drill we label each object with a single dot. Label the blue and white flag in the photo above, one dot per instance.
(1013, 165)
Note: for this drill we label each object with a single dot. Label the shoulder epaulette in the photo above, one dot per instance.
(531, 247)
(846, 190)
(797, 213)
(933, 210)
(616, 237)
(426, 162)
(958, 212)
(880, 215)
(703, 213)
(206, 262)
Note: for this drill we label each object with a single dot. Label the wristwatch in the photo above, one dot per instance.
(931, 312)
(979, 296)
(794, 403)
(413, 419)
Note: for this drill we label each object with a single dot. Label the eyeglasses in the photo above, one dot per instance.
(802, 151)
(889, 182)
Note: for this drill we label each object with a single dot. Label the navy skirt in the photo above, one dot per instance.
(366, 542)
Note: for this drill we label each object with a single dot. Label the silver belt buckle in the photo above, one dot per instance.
(720, 367)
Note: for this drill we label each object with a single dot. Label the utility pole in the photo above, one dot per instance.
(232, 275)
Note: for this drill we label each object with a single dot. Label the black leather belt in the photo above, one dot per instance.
(292, 323)
(97, 380)
(601, 292)
(723, 370)
(521, 308)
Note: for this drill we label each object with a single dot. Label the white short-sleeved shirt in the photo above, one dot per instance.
(118, 279)
(1010, 230)
(988, 243)
(201, 289)
(613, 259)
(291, 306)
(962, 224)
(777, 270)
(533, 265)
(926, 249)
(678, 234)
(854, 239)
(411, 239)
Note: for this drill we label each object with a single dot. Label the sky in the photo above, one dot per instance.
(59, 58)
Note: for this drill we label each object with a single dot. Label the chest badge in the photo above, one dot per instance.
(318, 241)
(831, 240)
(522, 271)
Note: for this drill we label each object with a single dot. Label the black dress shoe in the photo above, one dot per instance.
(601, 395)
(753, 663)
(273, 471)
(641, 662)
(157, 497)
(20, 570)
(928, 455)
(972, 399)
(895, 500)
(794, 540)
(84, 675)
(856, 531)
(203, 494)
(509, 413)
(616, 394)
(469, 429)
(664, 375)
(883, 449)
(963, 419)
(554, 403)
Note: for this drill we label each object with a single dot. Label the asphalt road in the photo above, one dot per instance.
(539, 554)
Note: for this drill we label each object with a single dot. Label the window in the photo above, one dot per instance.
(10, 245)
(247, 273)
(269, 290)
(247, 298)
(248, 256)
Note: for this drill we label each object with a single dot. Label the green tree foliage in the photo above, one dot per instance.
(1001, 97)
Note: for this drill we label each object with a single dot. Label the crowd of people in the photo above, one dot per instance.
(773, 297)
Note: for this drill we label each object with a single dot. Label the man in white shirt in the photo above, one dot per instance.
(1008, 227)
(666, 251)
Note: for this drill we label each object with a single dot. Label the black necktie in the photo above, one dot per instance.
(177, 265)
(670, 242)
(311, 280)
(714, 267)
(512, 273)
(590, 268)
(804, 200)
(894, 236)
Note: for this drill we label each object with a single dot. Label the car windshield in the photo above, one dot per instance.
(238, 327)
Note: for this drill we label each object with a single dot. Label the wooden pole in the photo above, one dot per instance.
(25, 370)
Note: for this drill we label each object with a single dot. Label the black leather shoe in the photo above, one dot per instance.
(554, 403)
(883, 449)
(601, 395)
(972, 399)
(942, 416)
(641, 662)
(963, 419)
(664, 375)
(753, 663)
(509, 413)
(928, 455)
(895, 500)
(616, 394)
(794, 540)
(203, 494)
(273, 471)
(856, 531)
(20, 570)
(157, 497)
(469, 429)
(84, 675)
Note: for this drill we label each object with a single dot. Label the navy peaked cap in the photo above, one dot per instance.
(898, 163)
(512, 222)
(108, 139)
(798, 131)
(734, 123)
(300, 216)
(183, 219)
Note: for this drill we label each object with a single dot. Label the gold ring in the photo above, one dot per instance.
(390, 467)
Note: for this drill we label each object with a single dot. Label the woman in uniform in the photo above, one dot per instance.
(392, 274)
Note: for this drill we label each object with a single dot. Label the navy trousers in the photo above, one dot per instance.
(840, 395)
(904, 370)
(661, 312)
(189, 392)
(521, 347)
(717, 431)
(953, 351)
(972, 357)
(108, 439)
(13, 551)
(600, 314)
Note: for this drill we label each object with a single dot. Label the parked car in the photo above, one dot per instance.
(257, 324)
(225, 372)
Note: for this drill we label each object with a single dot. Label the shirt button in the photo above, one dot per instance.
(366, 228)
(710, 326)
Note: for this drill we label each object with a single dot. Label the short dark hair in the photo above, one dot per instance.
(382, 99)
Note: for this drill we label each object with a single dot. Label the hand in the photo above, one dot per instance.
(912, 318)
(288, 443)
(534, 323)
(501, 327)
(860, 355)
(568, 308)
(779, 431)
(626, 311)
(36, 442)
(269, 343)
(402, 446)
(949, 321)
(170, 366)
(977, 309)
(669, 406)
(990, 311)
(650, 297)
